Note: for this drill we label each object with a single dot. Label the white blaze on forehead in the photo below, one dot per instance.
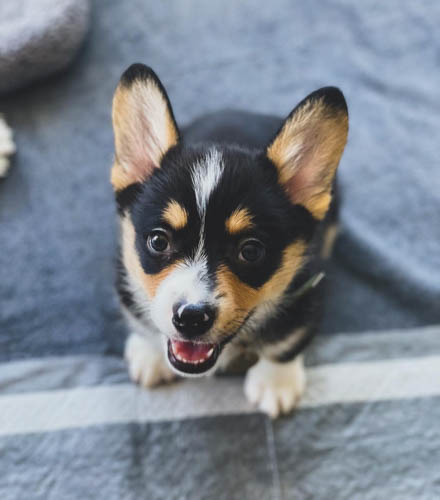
(189, 282)
(205, 177)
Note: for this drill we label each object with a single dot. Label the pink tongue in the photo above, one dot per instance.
(190, 351)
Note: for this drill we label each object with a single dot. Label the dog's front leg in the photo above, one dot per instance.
(276, 386)
(146, 361)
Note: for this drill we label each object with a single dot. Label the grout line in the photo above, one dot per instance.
(270, 440)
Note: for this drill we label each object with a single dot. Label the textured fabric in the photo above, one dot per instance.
(58, 241)
(73, 428)
(39, 38)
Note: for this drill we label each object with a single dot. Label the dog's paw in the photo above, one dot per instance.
(275, 388)
(146, 364)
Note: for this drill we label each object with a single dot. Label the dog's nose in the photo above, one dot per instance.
(193, 320)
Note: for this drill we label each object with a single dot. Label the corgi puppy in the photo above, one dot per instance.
(225, 226)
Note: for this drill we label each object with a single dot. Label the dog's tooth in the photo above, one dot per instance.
(194, 361)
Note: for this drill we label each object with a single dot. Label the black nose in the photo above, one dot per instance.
(192, 320)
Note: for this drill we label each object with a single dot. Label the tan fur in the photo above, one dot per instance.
(239, 220)
(239, 298)
(149, 282)
(120, 179)
(175, 215)
(144, 131)
(306, 153)
(329, 241)
(318, 205)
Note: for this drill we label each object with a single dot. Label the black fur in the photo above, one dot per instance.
(249, 181)
(126, 197)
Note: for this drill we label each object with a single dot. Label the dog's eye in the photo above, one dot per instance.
(251, 251)
(158, 241)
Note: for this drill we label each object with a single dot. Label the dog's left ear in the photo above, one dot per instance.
(143, 125)
(307, 149)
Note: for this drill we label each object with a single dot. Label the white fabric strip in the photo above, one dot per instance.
(328, 384)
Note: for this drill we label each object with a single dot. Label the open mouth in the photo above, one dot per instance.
(191, 357)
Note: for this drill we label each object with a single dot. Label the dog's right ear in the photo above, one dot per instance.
(143, 124)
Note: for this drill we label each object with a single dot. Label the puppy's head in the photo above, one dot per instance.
(213, 236)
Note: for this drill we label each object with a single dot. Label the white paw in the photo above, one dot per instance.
(146, 363)
(7, 147)
(275, 388)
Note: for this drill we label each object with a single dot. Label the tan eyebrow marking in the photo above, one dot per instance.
(175, 215)
(239, 220)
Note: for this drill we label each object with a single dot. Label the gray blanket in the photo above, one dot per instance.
(58, 239)
(75, 428)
